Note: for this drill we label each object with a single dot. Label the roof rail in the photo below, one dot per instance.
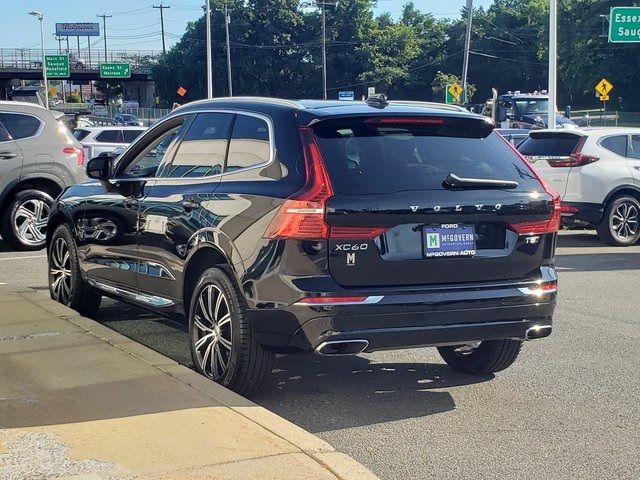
(443, 106)
(270, 100)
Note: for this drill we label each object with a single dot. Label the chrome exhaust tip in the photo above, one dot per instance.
(342, 347)
(537, 331)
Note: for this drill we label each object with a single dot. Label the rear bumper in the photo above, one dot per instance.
(581, 213)
(430, 317)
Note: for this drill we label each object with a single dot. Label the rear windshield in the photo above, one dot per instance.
(549, 145)
(367, 158)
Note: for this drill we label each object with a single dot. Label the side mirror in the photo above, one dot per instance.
(502, 114)
(100, 167)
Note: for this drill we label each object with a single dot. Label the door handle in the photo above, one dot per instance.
(189, 205)
(7, 155)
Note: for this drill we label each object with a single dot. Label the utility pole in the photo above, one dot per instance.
(207, 12)
(104, 28)
(104, 33)
(162, 7)
(467, 47)
(227, 20)
(323, 6)
(553, 51)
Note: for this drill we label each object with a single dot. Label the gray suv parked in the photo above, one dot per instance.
(39, 158)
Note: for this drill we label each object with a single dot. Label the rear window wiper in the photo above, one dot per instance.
(454, 181)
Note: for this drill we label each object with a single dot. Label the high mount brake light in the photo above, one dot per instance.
(550, 225)
(301, 217)
(406, 121)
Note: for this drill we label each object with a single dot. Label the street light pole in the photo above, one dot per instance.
(324, 52)
(553, 51)
(467, 46)
(40, 16)
(207, 10)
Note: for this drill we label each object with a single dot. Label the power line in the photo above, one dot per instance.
(161, 7)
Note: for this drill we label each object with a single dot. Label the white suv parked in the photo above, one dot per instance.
(97, 140)
(597, 173)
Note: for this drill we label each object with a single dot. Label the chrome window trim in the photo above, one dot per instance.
(38, 132)
(272, 147)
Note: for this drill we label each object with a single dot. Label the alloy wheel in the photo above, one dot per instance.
(30, 221)
(624, 222)
(212, 335)
(60, 271)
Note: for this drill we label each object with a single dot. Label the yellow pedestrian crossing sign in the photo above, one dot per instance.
(604, 87)
(453, 93)
(604, 98)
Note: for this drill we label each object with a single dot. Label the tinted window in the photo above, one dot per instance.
(81, 134)
(131, 135)
(364, 158)
(635, 143)
(560, 145)
(249, 143)
(149, 162)
(110, 136)
(20, 126)
(4, 135)
(203, 148)
(616, 144)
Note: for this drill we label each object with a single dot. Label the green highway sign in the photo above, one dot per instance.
(115, 70)
(57, 66)
(624, 25)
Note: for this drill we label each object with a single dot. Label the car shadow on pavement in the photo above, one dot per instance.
(330, 393)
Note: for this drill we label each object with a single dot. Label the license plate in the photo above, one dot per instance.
(450, 240)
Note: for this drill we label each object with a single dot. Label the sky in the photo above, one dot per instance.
(136, 26)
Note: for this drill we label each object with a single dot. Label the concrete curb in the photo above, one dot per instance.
(339, 464)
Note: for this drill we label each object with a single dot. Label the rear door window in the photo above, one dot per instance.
(366, 157)
(249, 144)
(110, 136)
(19, 125)
(131, 135)
(81, 134)
(203, 148)
(616, 144)
(549, 145)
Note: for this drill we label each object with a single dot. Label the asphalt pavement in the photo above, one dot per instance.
(568, 408)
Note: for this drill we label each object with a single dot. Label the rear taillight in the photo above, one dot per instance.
(576, 159)
(541, 289)
(76, 152)
(301, 217)
(551, 225)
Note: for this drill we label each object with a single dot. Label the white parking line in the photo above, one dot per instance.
(23, 258)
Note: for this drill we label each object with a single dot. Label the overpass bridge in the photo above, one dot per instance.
(23, 64)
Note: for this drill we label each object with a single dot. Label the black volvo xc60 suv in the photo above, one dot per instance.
(299, 226)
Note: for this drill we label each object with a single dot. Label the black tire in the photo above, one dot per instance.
(489, 357)
(619, 233)
(71, 290)
(247, 362)
(12, 219)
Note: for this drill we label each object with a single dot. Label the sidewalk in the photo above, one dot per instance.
(80, 401)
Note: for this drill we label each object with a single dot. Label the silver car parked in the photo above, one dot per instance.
(39, 158)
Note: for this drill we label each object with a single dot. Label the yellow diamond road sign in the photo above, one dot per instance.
(604, 87)
(455, 90)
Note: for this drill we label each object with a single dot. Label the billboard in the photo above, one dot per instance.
(78, 29)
